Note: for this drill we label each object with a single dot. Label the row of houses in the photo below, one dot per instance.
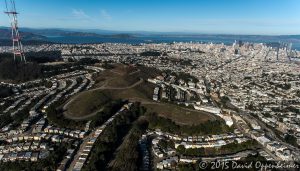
(175, 137)
(14, 105)
(172, 162)
(38, 137)
(69, 74)
(80, 87)
(23, 146)
(143, 146)
(33, 144)
(211, 144)
(95, 68)
(24, 156)
(66, 132)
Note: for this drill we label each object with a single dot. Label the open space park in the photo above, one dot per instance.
(126, 82)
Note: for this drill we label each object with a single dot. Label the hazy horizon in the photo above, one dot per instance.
(164, 33)
(239, 17)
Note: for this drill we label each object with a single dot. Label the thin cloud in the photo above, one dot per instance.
(80, 14)
(245, 22)
(105, 14)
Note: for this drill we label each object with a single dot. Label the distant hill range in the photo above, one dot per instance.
(31, 35)
(82, 34)
(6, 34)
(41, 35)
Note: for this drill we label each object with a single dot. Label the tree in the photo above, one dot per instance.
(180, 149)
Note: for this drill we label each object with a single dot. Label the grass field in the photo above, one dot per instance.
(87, 102)
(108, 82)
(122, 77)
(180, 115)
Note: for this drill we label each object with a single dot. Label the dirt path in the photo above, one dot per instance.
(149, 102)
(134, 72)
(67, 115)
(202, 112)
(119, 88)
(65, 107)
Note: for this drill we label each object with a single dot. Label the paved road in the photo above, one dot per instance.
(79, 152)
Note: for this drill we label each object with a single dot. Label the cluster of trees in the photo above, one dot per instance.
(127, 156)
(38, 57)
(148, 72)
(189, 167)
(111, 139)
(186, 77)
(150, 53)
(49, 163)
(5, 91)
(17, 71)
(5, 119)
(190, 151)
(44, 56)
(15, 120)
(182, 62)
(298, 93)
(164, 124)
(109, 110)
(87, 61)
(285, 86)
(20, 116)
(206, 128)
(20, 72)
(107, 65)
(255, 157)
(50, 70)
(238, 147)
(165, 144)
(291, 140)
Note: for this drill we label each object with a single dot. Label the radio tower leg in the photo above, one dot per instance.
(17, 47)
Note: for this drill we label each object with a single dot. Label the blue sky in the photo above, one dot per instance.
(201, 16)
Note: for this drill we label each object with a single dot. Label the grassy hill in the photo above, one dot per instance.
(92, 102)
(127, 82)
(121, 82)
(180, 115)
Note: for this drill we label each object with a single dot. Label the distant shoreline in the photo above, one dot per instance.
(159, 39)
(227, 40)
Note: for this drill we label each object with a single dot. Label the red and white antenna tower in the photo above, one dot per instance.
(15, 35)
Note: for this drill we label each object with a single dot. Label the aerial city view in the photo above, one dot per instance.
(149, 85)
